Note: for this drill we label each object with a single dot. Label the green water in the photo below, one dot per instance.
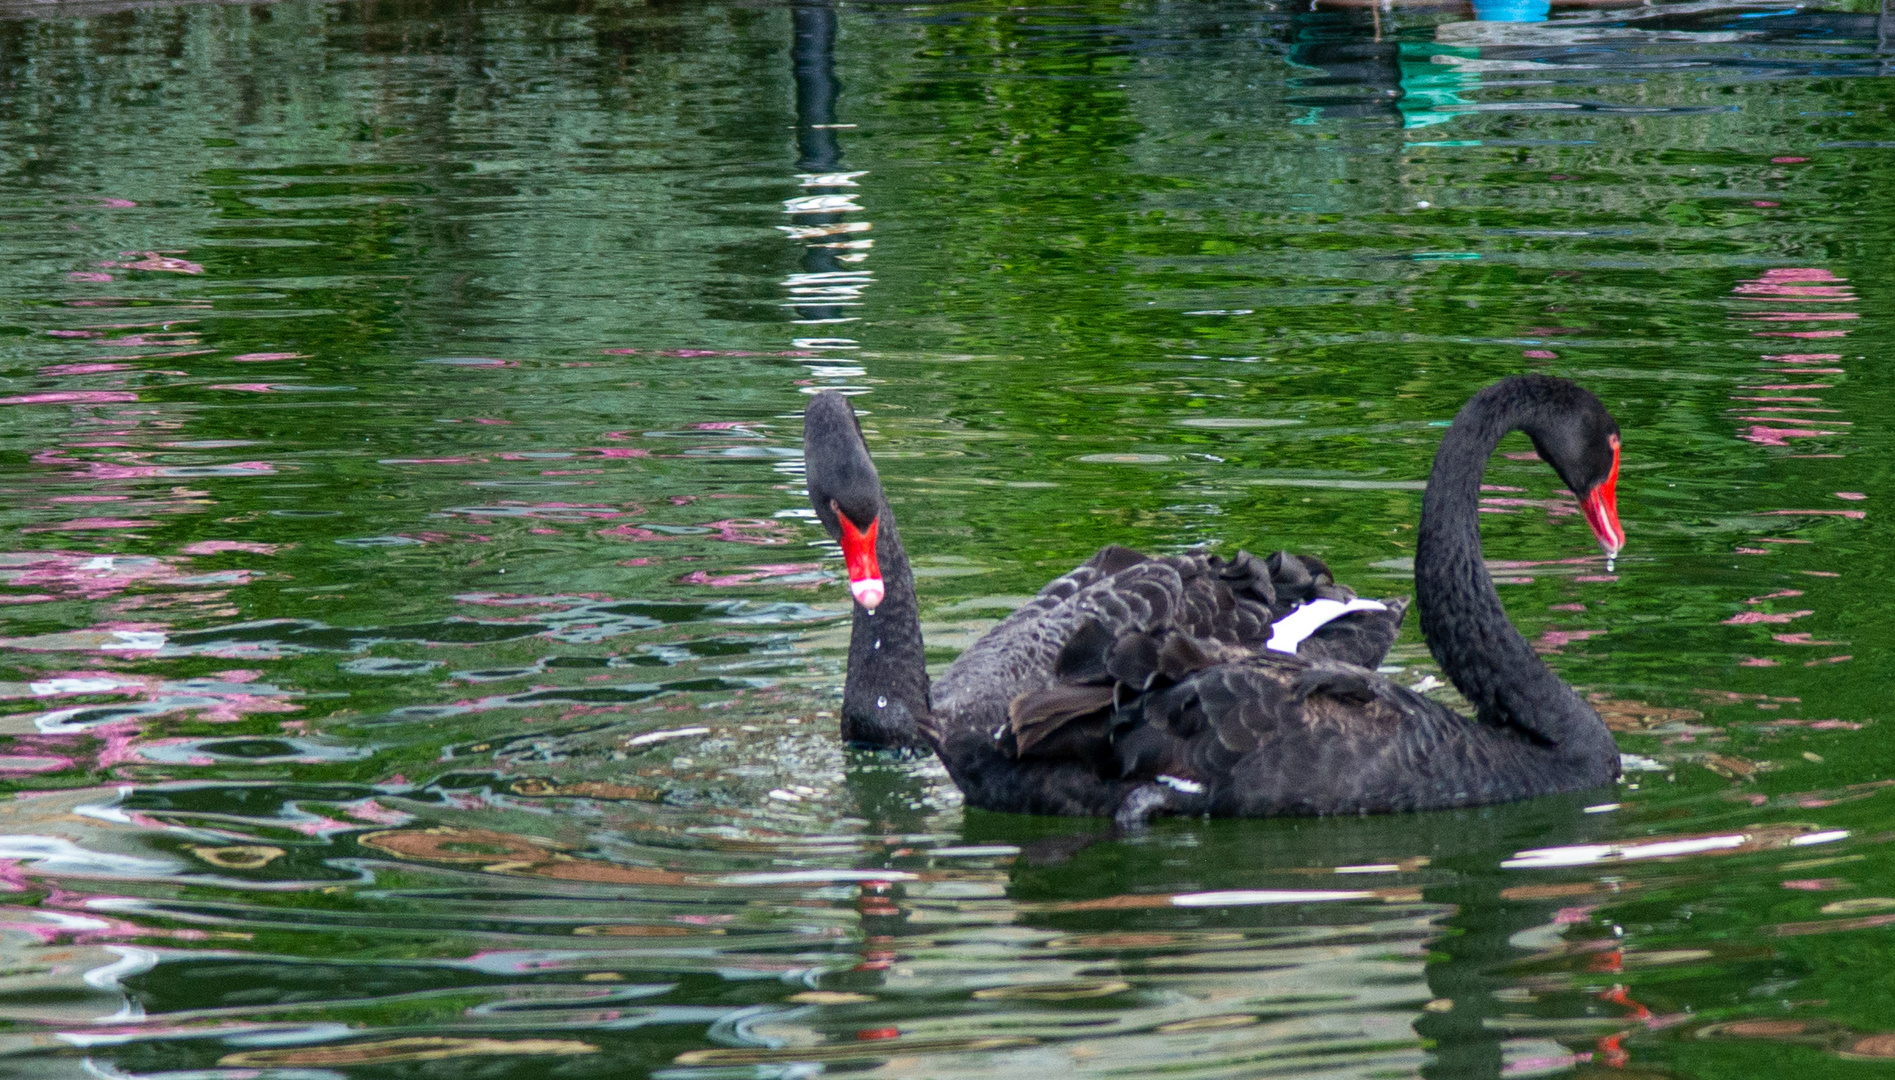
(421, 661)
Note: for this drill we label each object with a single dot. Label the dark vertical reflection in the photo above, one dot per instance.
(813, 58)
(830, 281)
(1347, 46)
(1885, 34)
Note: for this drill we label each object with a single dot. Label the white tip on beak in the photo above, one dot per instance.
(868, 592)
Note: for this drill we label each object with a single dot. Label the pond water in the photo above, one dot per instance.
(421, 660)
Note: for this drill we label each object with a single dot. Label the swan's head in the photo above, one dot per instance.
(1579, 438)
(844, 490)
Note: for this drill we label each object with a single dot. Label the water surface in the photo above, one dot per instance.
(421, 660)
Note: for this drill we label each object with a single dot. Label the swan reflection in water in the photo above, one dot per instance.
(1363, 946)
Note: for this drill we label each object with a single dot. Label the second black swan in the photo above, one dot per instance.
(1192, 684)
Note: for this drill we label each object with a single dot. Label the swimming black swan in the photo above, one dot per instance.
(1139, 685)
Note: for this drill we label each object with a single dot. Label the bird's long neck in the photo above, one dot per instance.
(1461, 615)
(885, 696)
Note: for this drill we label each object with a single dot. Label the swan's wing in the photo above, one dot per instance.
(1226, 606)
(1120, 593)
(1117, 584)
(1361, 638)
(1271, 736)
(1259, 734)
(1104, 563)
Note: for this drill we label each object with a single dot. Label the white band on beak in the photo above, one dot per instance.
(868, 592)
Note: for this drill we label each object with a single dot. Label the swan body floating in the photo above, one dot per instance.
(1193, 684)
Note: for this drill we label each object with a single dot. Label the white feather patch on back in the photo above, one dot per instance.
(1289, 631)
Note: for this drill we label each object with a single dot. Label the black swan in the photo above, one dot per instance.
(1245, 687)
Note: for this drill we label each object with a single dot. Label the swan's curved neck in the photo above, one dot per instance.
(1461, 615)
(885, 696)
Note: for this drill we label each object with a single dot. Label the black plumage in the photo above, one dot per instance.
(1141, 684)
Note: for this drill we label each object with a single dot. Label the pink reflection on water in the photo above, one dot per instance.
(1553, 641)
(374, 812)
(1774, 436)
(1780, 594)
(447, 538)
(1749, 617)
(1854, 514)
(84, 369)
(1800, 294)
(1553, 507)
(1798, 316)
(634, 533)
(556, 600)
(260, 357)
(82, 574)
(1799, 273)
(81, 524)
(754, 531)
(799, 575)
(1801, 639)
(551, 511)
(693, 354)
(214, 547)
(161, 261)
(70, 397)
(99, 470)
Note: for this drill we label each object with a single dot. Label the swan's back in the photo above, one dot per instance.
(1269, 734)
(1228, 605)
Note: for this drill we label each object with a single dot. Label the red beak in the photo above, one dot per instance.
(858, 553)
(1601, 505)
